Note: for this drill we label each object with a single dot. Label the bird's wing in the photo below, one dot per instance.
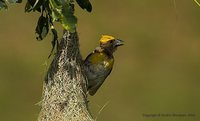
(99, 81)
(97, 67)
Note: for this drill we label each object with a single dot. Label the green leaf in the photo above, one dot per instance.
(32, 2)
(36, 5)
(3, 5)
(58, 3)
(42, 28)
(28, 7)
(54, 42)
(85, 4)
(68, 20)
(62, 11)
(55, 15)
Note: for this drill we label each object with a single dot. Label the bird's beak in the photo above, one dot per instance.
(119, 42)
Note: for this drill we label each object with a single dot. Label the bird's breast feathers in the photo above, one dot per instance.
(101, 59)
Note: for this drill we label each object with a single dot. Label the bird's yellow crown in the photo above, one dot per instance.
(106, 38)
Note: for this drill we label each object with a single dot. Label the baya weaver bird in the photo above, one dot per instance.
(99, 63)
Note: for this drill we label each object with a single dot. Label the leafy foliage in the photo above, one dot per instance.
(62, 11)
(54, 41)
(57, 11)
(85, 4)
(42, 28)
(34, 5)
(3, 5)
(52, 11)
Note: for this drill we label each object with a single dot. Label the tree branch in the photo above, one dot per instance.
(64, 90)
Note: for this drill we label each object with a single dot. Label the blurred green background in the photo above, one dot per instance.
(156, 71)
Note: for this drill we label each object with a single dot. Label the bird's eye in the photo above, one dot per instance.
(111, 41)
